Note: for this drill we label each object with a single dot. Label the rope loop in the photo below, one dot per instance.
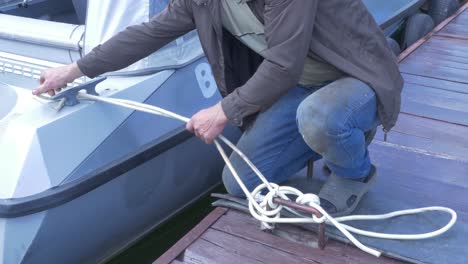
(268, 207)
(311, 200)
(308, 199)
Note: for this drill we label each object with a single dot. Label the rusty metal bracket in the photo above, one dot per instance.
(310, 169)
(322, 238)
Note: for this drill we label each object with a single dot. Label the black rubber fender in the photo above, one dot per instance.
(394, 46)
(417, 26)
(439, 10)
(81, 7)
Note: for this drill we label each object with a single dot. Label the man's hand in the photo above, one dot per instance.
(53, 80)
(208, 123)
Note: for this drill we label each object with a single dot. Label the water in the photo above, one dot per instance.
(160, 240)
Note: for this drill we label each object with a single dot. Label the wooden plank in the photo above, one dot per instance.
(464, 15)
(456, 29)
(293, 240)
(427, 171)
(451, 36)
(404, 168)
(434, 96)
(414, 141)
(438, 28)
(435, 83)
(434, 71)
(251, 249)
(444, 51)
(445, 169)
(440, 39)
(436, 131)
(436, 113)
(190, 237)
(443, 60)
(429, 54)
(461, 20)
(447, 44)
(435, 103)
(404, 196)
(204, 252)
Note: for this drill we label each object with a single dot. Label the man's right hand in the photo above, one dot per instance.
(53, 80)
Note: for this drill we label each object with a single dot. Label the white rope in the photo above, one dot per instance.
(269, 213)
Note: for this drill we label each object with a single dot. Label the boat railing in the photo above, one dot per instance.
(39, 39)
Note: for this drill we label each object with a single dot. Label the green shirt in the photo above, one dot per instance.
(241, 22)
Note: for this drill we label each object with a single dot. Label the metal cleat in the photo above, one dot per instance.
(69, 96)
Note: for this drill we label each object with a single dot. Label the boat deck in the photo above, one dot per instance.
(429, 144)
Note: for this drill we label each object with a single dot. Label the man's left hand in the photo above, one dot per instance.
(208, 123)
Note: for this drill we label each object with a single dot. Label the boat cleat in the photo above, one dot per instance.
(69, 96)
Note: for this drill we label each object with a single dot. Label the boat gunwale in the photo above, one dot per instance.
(406, 53)
(62, 194)
(408, 10)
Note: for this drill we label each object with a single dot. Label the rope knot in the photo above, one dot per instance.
(266, 207)
(308, 199)
(311, 200)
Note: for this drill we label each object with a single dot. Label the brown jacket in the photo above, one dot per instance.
(341, 32)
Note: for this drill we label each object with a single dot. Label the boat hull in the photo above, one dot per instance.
(145, 171)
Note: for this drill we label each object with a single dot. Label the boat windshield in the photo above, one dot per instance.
(180, 51)
(64, 11)
(109, 17)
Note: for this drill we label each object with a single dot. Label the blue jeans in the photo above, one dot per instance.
(309, 123)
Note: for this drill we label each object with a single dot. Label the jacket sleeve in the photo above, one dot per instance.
(288, 30)
(139, 41)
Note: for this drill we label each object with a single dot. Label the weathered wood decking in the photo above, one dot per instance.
(431, 135)
(233, 237)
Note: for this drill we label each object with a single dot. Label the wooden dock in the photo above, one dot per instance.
(231, 237)
(432, 131)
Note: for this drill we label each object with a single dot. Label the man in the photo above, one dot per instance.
(305, 78)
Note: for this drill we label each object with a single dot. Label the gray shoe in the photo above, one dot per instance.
(340, 196)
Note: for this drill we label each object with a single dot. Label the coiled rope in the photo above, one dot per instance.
(268, 212)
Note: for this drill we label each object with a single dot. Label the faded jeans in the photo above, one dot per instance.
(309, 123)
